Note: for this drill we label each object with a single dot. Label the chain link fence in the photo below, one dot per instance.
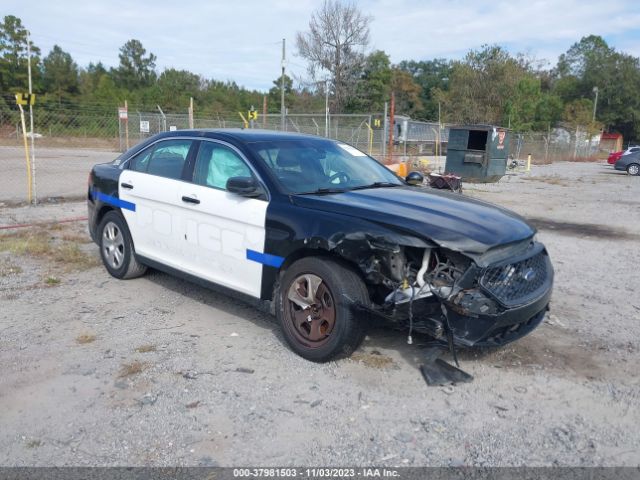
(354, 129)
(69, 141)
(564, 143)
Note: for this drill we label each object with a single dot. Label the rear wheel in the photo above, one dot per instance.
(314, 307)
(633, 169)
(116, 248)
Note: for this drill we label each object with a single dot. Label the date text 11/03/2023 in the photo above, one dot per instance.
(315, 472)
(369, 472)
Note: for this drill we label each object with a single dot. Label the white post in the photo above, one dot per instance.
(164, 119)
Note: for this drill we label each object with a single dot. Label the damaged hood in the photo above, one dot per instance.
(451, 220)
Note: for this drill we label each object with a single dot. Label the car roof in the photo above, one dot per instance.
(241, 134)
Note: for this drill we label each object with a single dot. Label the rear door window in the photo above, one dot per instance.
(165, 159)
(168, 158)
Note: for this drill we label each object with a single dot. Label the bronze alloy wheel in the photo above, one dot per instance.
(311, 312)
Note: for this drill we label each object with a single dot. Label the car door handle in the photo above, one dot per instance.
(190, 200)
(126, 185)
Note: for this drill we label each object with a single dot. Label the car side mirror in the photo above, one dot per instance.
(244, 186)
(414, 178)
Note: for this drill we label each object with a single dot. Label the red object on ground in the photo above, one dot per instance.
(614, 157)
(448, 181)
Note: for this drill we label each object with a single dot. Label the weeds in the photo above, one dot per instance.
(85, 338)
(74, 237)
(72, 257)
(146, 348)
(51, 281)
(8, 269)
(26, 242)
(373, 359)
(133, 368)
(58, 246)
(550, 179)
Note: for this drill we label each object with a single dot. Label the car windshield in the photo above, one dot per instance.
(322, 166)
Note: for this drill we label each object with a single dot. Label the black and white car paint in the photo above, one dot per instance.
(325, 261)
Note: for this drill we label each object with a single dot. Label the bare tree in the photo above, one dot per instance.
(337, 38)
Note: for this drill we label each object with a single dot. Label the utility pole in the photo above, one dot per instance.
(391, 124)
(264, 111)
(33, 149)
(191, 112)
(282, 111)
(384, 130)
(595, 104)
(438, 149)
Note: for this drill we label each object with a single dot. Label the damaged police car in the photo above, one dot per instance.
(320, 234)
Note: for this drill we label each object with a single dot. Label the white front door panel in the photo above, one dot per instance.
(218, 232)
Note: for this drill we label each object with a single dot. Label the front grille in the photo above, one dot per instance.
(516, 283)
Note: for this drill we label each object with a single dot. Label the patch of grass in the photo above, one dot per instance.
(51, 281)
(34, 444)
(146, 348)
(8, 269)
(133, 368)
(71, 256)
(26, 242)
(76, 238)
(550, 179)
(85, 338)
(60, 247)
(372, 359)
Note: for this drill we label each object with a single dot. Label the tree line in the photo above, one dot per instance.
(489, 85)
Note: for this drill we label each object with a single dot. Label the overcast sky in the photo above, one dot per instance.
(241, 40)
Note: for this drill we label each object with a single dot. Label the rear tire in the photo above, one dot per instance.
(328, 328)
(633, 169)
(116, 248)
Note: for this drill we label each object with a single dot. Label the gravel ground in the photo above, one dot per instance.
(157, 371)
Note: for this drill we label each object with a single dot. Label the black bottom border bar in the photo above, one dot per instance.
(313, 473)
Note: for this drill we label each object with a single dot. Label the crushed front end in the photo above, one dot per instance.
(466, 299)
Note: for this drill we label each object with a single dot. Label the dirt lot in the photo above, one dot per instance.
(156, 371)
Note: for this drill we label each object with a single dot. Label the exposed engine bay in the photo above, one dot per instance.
(488, 299)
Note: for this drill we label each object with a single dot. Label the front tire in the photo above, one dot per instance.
(314, 307)
(633, 169)
(116, 248)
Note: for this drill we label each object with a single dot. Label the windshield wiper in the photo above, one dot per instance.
(376, 185)
(322, 190)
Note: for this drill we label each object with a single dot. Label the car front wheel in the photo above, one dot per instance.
(116, 248)
(315, 308)
(633, 169)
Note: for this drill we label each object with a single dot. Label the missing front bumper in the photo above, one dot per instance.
(499, 329)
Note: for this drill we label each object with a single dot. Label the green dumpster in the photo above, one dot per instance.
(478, 153)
